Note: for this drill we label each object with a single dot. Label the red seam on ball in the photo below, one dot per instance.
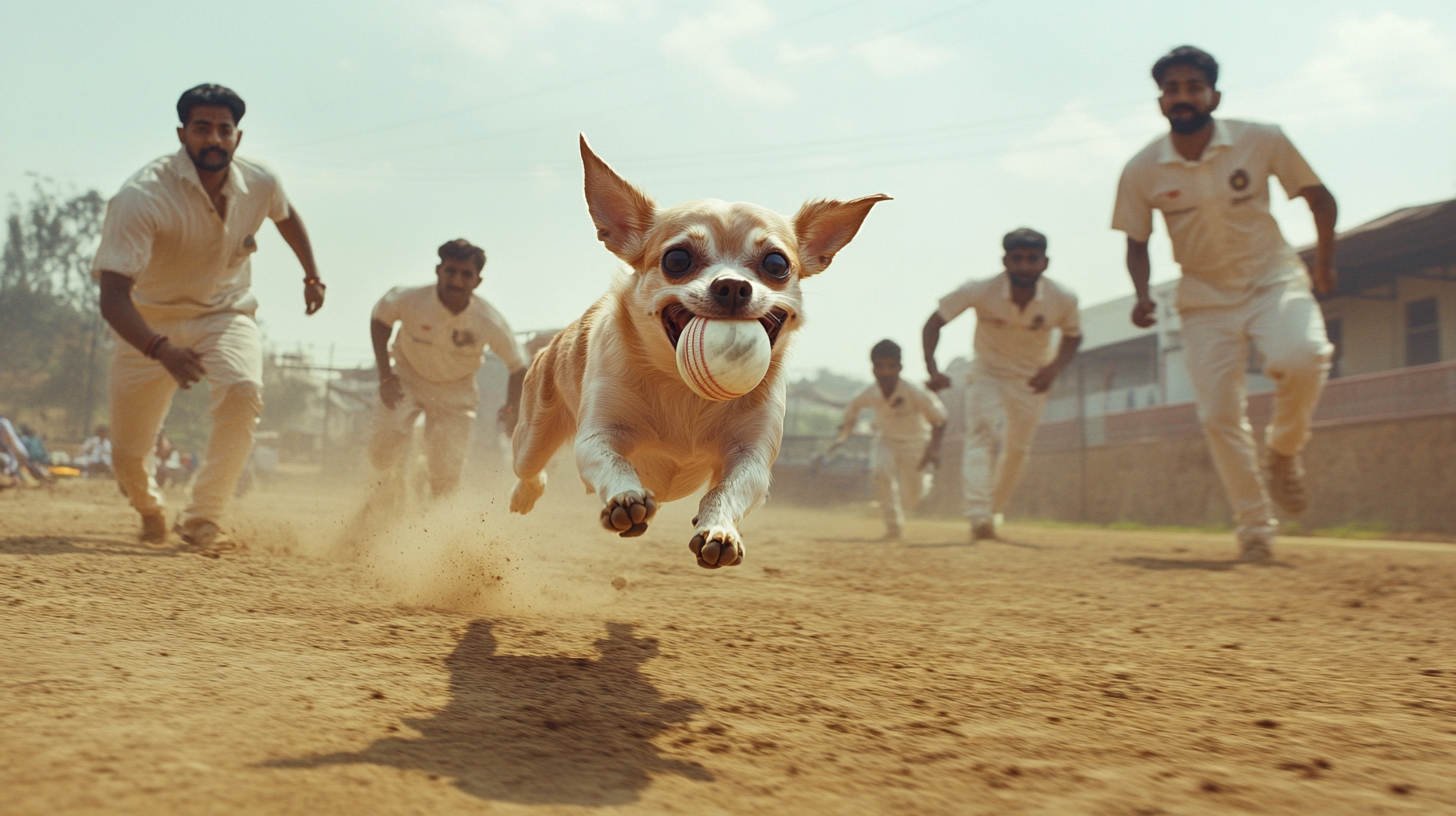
(698, 366)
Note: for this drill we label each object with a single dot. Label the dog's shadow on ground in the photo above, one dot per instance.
(72, 545)
(1210, 565)
(540, 730)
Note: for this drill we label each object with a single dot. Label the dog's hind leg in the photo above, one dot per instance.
(544, 425)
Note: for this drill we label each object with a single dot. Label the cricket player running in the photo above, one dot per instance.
(1241, 282)
(444, 330)
(908, 425)
(175, 270)
(1012, 369)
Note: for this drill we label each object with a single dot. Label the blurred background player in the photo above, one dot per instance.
(95, 456)
(175, 270)
(908, 425)
(444, 330)
(1241, 284)
(1011, 371)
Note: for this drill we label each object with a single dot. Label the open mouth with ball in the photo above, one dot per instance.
(675, 318)
(721, 359)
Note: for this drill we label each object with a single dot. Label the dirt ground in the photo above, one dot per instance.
(458, 660)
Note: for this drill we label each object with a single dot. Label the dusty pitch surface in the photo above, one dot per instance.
(1073, 671)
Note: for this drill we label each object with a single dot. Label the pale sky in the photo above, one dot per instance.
(398, 125)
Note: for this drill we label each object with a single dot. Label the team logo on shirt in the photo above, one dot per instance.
(462, 338)
(1239, 180)
(1037, 322)
(897, 402)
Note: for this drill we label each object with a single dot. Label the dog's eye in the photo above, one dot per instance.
(677, 261)
(775, 265)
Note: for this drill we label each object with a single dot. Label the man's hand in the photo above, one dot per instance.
(313, 296)
(931, 459)
(1042, 380)
(1325, 211)
(184, 364)
(1144, 314)
(938, 382)
(507, 417)
(390, 391)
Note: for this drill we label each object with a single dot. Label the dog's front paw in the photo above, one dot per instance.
(717, 546)
(527, 491)
(628, 512)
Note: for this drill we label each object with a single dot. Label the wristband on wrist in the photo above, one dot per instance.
(154, 344)
(313, 281)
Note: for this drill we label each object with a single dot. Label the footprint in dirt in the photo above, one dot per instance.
(540, 729)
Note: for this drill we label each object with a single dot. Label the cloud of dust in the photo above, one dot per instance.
(467, 553)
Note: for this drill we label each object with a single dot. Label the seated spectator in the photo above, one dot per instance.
(13, 457)
(35, 446)
(15, 461)
(95, 458)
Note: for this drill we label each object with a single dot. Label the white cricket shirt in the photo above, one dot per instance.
(185, 261)
(442, 346)
(1217, 210)
(1011, 341)
(906, 415)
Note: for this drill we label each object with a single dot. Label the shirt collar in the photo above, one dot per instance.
(1167, 154)
(181, 166)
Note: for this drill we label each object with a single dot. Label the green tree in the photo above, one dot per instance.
(50, 323)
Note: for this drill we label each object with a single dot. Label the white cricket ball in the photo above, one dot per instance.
(723, 359)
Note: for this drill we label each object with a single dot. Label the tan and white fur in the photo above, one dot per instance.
(610, 380)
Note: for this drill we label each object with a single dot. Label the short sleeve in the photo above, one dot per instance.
(126, 235)
(856, 406)
(1286, 163)
(278, 207)
(387, 310)
(1132, 213)
(1071, 322)
(502, 341)
(958, 301)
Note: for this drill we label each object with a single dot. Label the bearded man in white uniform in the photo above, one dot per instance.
(1242, 283)
(909, 423)
(1011, 371)
(444, 331)
(175, 270)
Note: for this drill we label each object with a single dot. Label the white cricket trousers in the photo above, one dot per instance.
(899, 483)
(1001, 418)
(1285, 325)
(449, 410)
(141, 394)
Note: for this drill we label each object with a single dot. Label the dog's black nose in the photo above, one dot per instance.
(731, 293)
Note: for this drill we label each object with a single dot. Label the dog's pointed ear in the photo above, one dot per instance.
(622, 213)
(825, 226)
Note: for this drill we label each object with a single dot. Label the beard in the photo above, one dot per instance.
(1021, 281)
(211, 159)
(1192, 123)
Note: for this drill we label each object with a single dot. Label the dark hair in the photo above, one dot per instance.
(885, 350)
(1187, 55)
(1024, 238)
(210, 94)
(462, 250)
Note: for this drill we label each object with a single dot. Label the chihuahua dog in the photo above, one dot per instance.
(610, 380)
